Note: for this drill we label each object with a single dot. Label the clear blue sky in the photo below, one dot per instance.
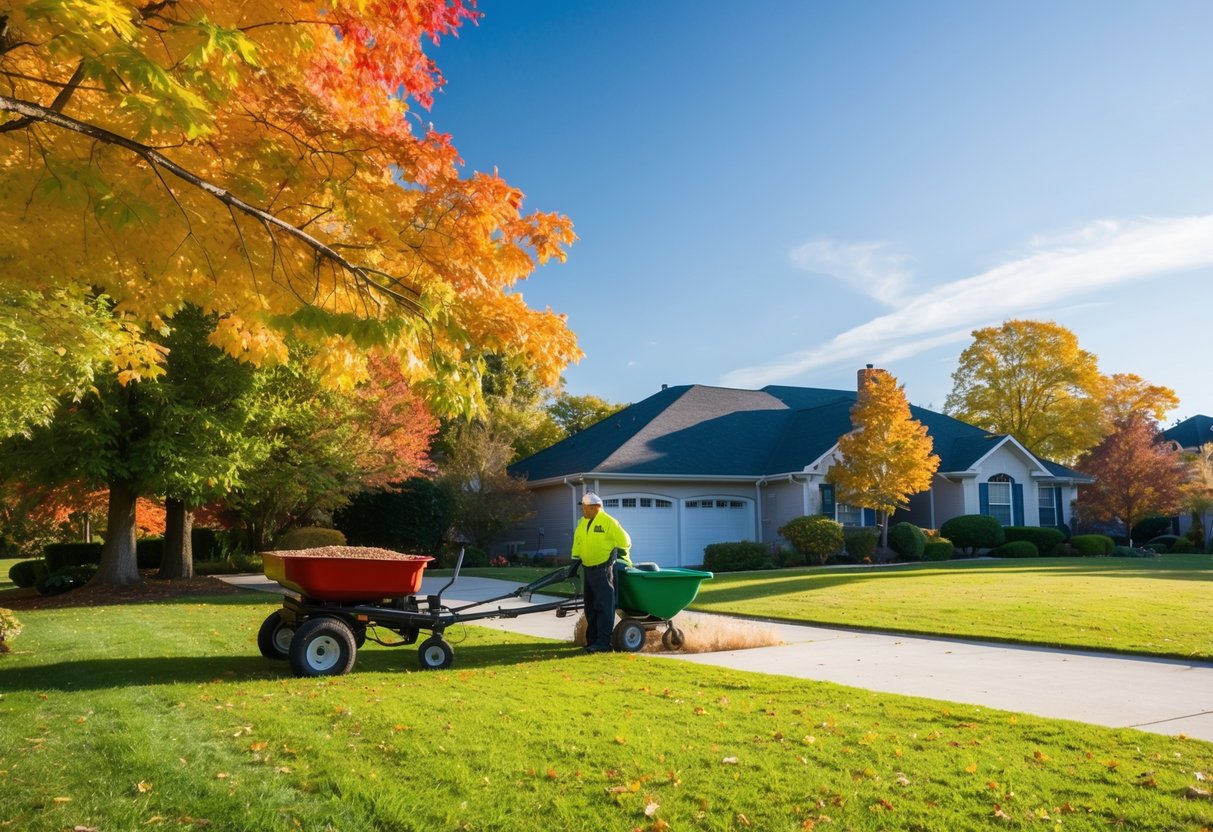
(779, 192)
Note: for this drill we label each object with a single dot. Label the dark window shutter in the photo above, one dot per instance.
(1057, 501)
(827, 499)
(983, 496)
(869, 517)
(1017, 503)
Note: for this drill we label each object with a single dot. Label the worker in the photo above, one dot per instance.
(598, 542)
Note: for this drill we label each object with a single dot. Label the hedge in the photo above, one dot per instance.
(941, 549)
(309, 537)
(1046, 539)
(974, 531)
(907, 540)
(736, 557)
(861, 543)
(1150, 527)
(1017, 549)
(60, 555)
(1092, 545)
(413, 517)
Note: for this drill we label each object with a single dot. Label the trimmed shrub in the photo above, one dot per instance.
(412, 518)
(907, 540)
(1092, 545)
(1182, 546)
(940, 549)
(786, 558)
(861, 543)
(816, 536)
(310, 537)
(737, 557)
(1017, 549)
(1130, 552)
(60, 555)
(1046, 539)
(206, 545)
(69, 577)
(10, 628)
(25, 573)
(973, 531)
(1150, 527)
(149, 551)
(1163, 543)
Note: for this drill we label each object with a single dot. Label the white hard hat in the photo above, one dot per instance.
(591, 499)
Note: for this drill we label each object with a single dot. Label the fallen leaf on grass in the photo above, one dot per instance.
(1195, 793)
(651, 808)
(729, 761)
(86, 829)
(143, 787)
(742, 819)
(61, 800)
(971, 768)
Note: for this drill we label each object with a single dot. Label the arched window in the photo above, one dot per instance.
(1002, 499)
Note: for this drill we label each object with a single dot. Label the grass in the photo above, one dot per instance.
(165, 717)
(1151, 606)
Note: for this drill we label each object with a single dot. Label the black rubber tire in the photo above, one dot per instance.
(628, 636)
(274, 637)
(672, 638)
(435, 653)
(323, 647)
(359, 635)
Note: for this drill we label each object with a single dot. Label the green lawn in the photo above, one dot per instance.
(1155, 606)
(165, 716)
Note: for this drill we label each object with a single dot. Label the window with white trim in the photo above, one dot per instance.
(848, 515)
(1001, 508)
(1048, 505)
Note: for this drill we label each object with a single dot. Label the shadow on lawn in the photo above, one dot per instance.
(101, 674)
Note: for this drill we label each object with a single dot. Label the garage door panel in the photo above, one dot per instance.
(714, 520)
(652, 523)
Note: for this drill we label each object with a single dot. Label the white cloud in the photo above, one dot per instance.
(1062, 268)
(868, 268)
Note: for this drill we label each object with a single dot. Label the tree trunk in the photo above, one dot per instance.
(178, 558)
(118, 564)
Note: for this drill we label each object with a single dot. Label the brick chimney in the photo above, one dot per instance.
(864, 376)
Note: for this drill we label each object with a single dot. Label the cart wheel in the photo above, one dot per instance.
(274, 637)
(435, 653)
(672, 638)
(323, 647)
(628, 636)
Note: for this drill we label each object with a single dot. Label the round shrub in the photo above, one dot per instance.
(25, 573)
(787, 557)
(1182, 546)
(973, 531)
(940, 549)
(1046, 539)
(10, 628)
(1150, 527)
(1130, 552)
(1163, 543)
(311, 537)
(861, 543)
(149, 551)
(907, 540)
(1017, 549)
(1092, 545)
(737, 557)
(69, 577)
(816, 536)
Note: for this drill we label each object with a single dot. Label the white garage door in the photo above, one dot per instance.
(652, 523)
(714, 520)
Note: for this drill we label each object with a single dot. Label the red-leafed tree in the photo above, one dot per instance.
(1135, 475)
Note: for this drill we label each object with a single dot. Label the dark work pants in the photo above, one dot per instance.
(599, 589)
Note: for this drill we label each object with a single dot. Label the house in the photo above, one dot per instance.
(694, 465)
(1190, 436)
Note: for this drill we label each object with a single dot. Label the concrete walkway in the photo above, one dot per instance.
(1164, 696)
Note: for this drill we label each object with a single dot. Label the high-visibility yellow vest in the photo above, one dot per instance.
(594, 539)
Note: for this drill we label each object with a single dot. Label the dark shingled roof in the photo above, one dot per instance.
(698, 431)
(1191, 433)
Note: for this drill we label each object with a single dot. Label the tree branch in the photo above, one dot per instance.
(372, 279)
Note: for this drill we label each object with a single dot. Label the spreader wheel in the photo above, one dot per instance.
(672, 638)
(628, 636)
(274, 637)
(323, 647)
(435, 653)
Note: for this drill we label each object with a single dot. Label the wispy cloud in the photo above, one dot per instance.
(1055, 269)
(869, 268)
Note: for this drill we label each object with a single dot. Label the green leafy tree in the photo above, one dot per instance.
(1135, 475)
(887, 458)
(487, 501)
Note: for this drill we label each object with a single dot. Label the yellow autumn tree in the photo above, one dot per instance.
(887, 457)
(265, 161)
